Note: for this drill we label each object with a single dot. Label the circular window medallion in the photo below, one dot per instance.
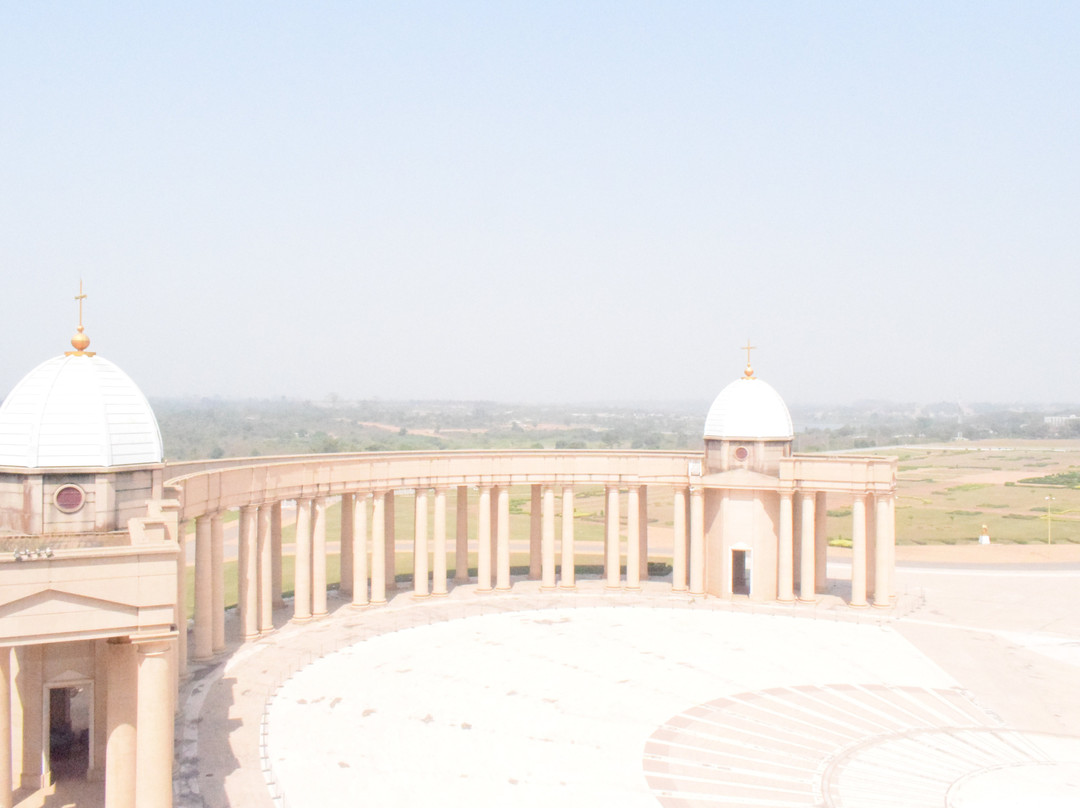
(69, 498)
(742, 453)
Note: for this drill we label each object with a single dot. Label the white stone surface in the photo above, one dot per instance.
(749, 409)
(77, 411)
(527, 708)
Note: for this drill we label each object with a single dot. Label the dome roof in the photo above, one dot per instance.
(77, 410)
(749, 409)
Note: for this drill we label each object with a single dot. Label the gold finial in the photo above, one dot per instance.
(80, 342)
(748, 348)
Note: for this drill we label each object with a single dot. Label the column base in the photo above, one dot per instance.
(863, 605)
(300, 620)
(680, 589)
(610, 589)
(548, 588)
(421, 595)
(568, 587)
(884, 605)
(356, 605)
(250, 637)
(788, 599)
(503, 588)
(375, 602)
(487, 591)
(801, 599)
(319, 615)
(439, 594)
(629, 588)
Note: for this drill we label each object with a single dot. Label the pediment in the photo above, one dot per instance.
(54, 602)
(67, 676)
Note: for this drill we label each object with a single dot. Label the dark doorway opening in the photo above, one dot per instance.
(740, 572)
(69, 732)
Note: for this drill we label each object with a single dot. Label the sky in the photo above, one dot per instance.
(557, 201)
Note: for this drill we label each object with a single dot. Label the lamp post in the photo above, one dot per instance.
(1049, 499)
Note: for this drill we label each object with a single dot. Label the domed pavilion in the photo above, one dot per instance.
(88, 585)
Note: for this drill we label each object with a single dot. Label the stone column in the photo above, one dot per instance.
(613, 556)
(493, 541)
(678, 554)
(547, 540)
(891, 544)
(302, 567)
(6, 785)
(204, 590)
(809, 522)
(180, 669)
(858, 550)
(821, 542)
(265, 577)
(461, 536)
(154, 747)
(438, 582)
(633, 538)
(643, 532)
(345, 544)
(217, 582)
(378, 548)
(784, 552)
(390, 556)
(359, 551)
(502, 571)
(566, 577)
(29, 682)
(697, 541)
(121, 710)
(277, 601)
(318, 557)
(725, 567)
(248, 574)
(420, 544)
(483, 540)
(882, 536)
(535, 531)
(871, 547)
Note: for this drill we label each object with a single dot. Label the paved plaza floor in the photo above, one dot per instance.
(963, 694)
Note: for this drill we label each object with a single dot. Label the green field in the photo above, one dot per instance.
(945, 494)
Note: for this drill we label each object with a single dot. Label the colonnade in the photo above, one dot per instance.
(368, 549)
(803, 542)
(368, 532)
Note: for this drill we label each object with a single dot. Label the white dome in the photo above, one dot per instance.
(749, 409)
(77, 410)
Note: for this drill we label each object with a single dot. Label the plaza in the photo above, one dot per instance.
(575, 697)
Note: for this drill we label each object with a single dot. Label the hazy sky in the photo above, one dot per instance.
(550, 200)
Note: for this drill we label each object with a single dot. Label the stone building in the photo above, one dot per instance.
(93, 527)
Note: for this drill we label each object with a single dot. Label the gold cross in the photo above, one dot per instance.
(748, 348)
(82, 296)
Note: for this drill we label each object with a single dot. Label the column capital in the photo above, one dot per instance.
(153, 643)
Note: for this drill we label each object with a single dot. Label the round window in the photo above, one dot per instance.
(69, 498)
(742, 453)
